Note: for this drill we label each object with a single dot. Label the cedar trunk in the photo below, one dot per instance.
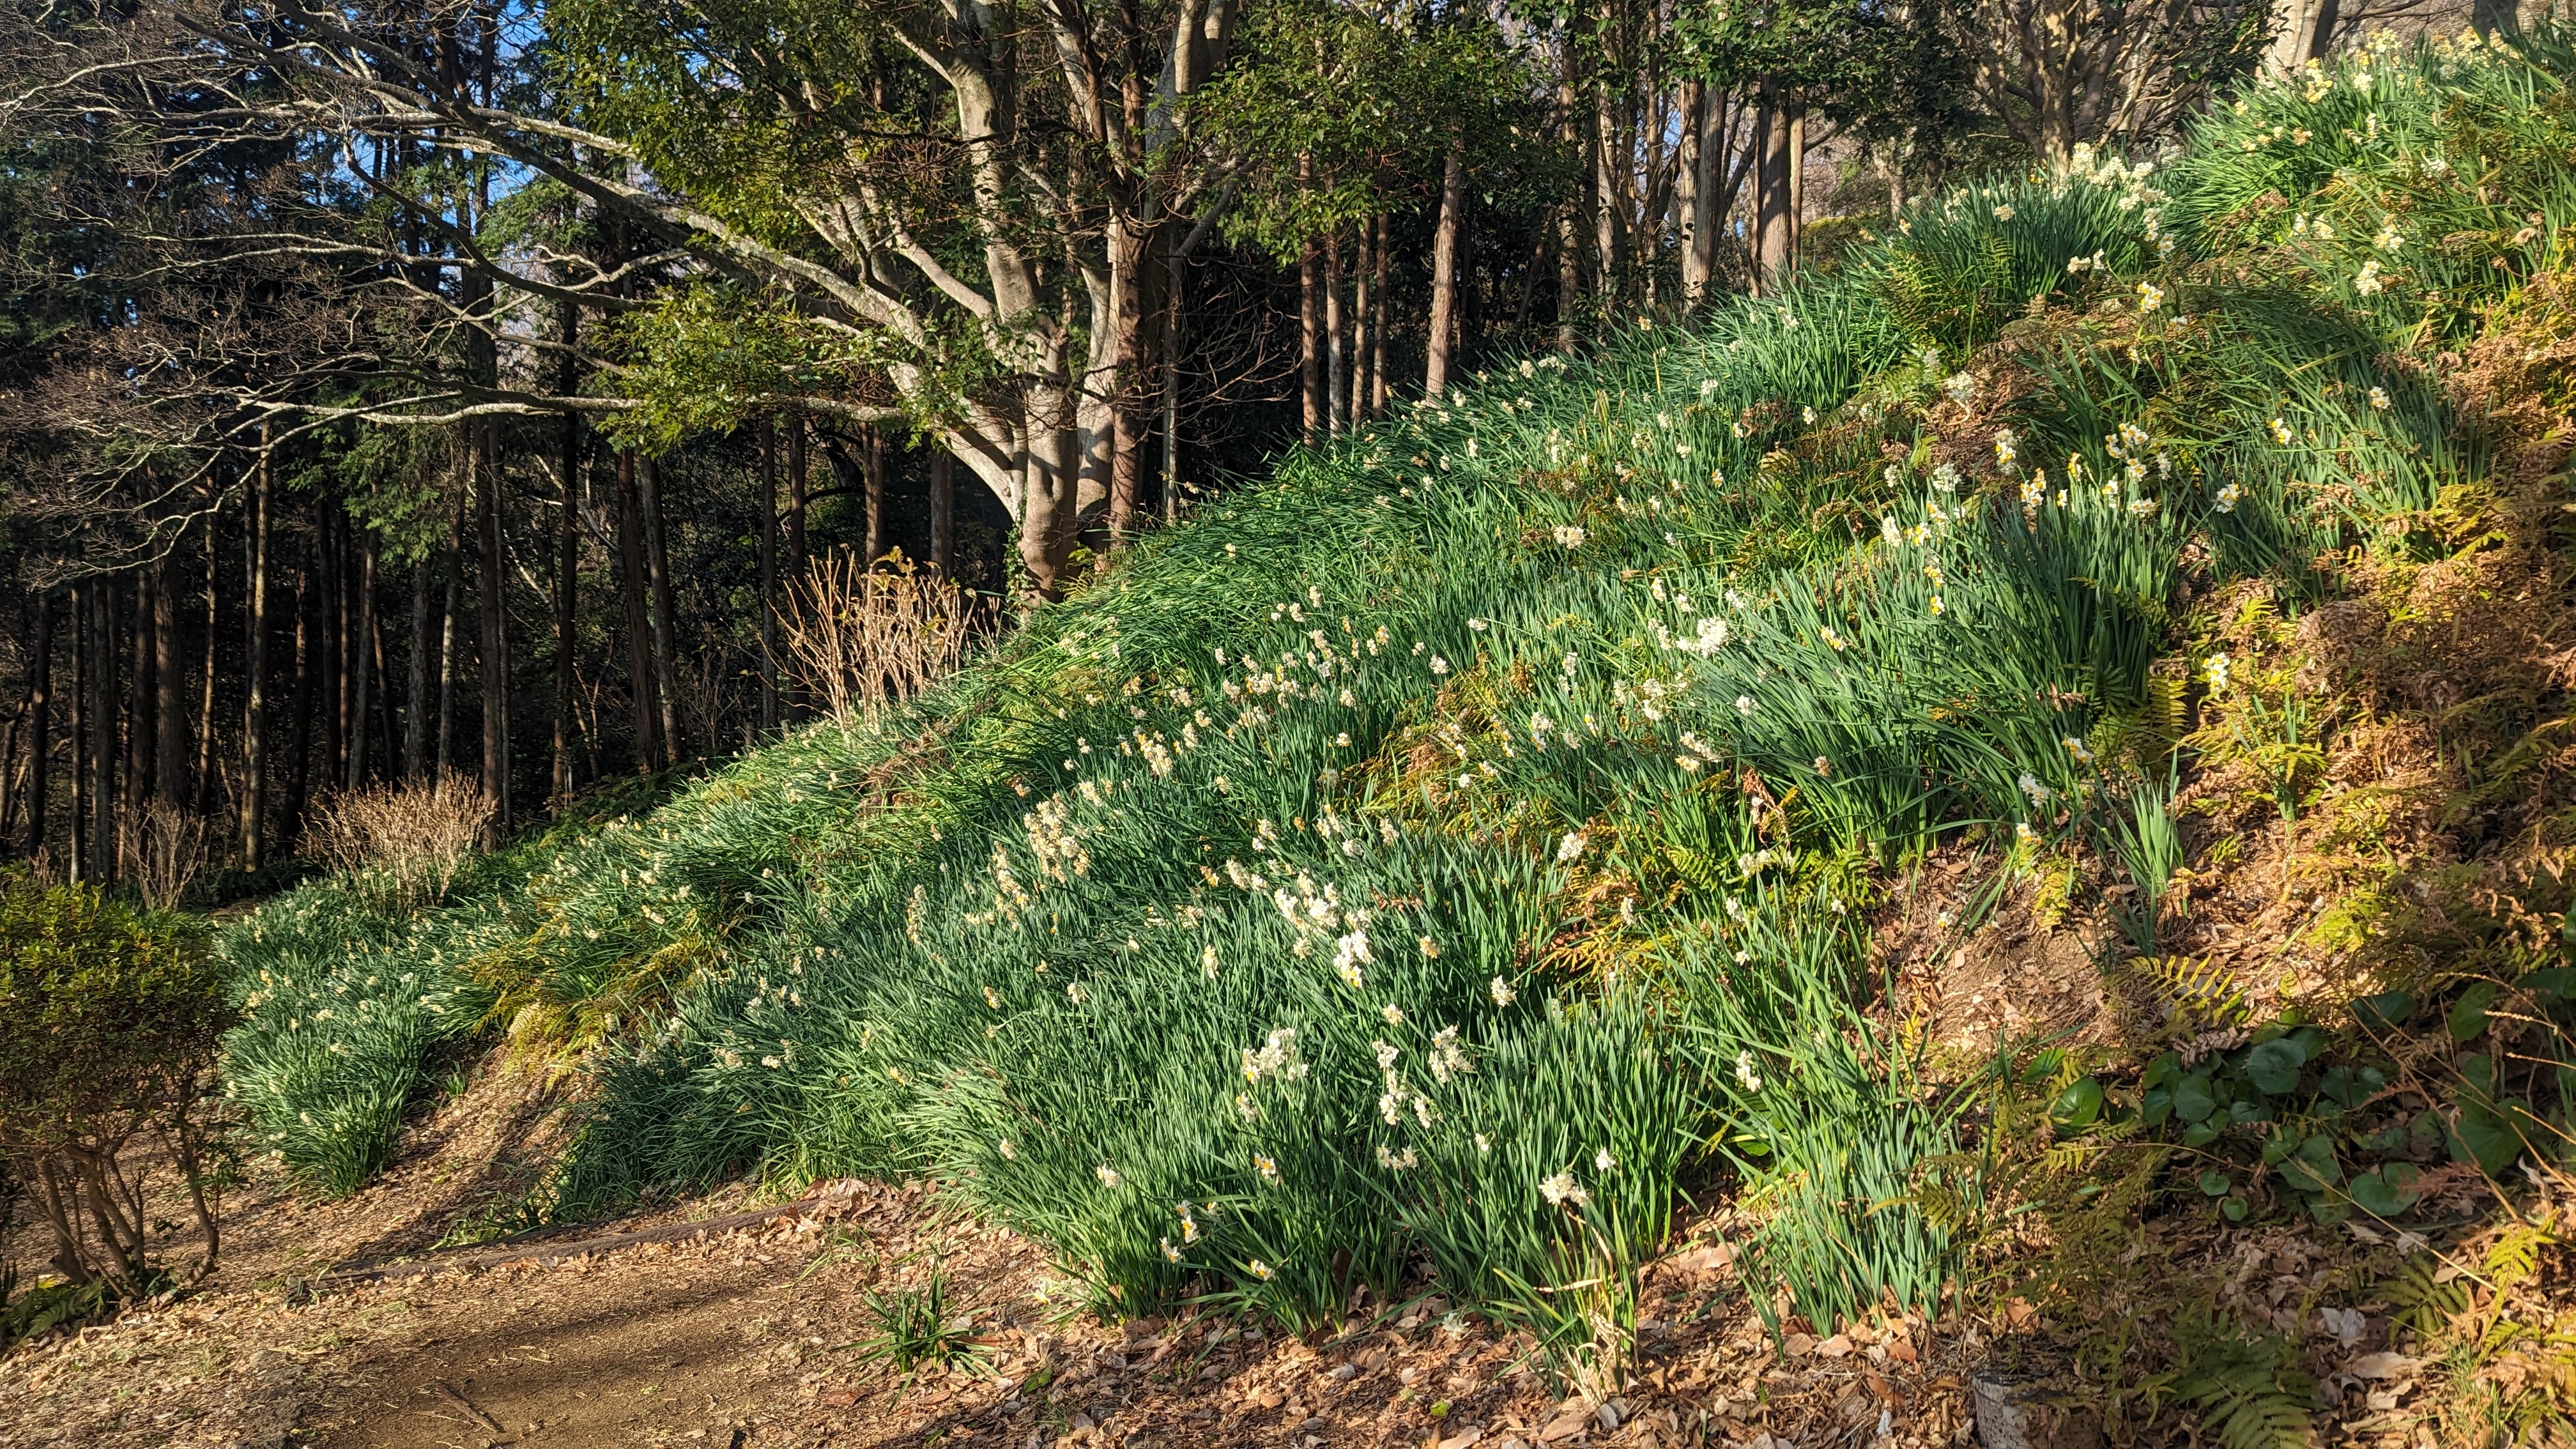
(639, 629)
(769, 574)
(254, 789)
(1444, 272)
(496, 640)
(40, 736)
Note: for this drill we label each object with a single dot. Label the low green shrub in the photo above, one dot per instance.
(108, 1028)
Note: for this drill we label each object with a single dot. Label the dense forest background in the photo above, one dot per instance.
(398, 388)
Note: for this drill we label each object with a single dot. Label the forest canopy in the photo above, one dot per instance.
(387, 390)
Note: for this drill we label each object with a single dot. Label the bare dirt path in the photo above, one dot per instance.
(754, 1336)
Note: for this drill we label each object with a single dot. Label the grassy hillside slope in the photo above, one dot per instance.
(1433, 858)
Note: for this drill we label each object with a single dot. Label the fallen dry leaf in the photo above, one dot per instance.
(1564, 1426)
(2383, 1365)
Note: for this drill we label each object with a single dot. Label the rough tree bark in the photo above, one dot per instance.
(40, 719)
(872, 481)
(657, 568)
(102, 732)
(568, 564)
(1770, 194)
(769, 575)
(639, 628)
(299, 708)
(362, 674)
(254, 794)
(1337, 350)
(943, 512)
(205, 771)
(169, 678)
(78, 734)
(1444, 271)
(1310, 361)
(493, 577)
(416, 676)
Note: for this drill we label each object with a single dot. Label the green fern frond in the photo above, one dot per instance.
(2261, 1418)
(2197, 986)
(2417, 1301)
(2515, 1258)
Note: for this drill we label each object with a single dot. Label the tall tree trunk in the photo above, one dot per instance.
(872, 481)
(494, 578)
(1572, 136)
(387, 740)
(361, 670)
(205, 771)
(82, 668)
(657, 568)
(417, 710)
(143, 696)
(1377, 320)
(799, 563)
(943, 512)
(1608, 251)
(1569, 278)
(1310, 359)
(447, 647)
(331, 634)
(1692, 189)
(1797, 185)
(168, 679)
(568, 560)
(40, 720)
(1136, 283)
(1444, 270)
(565, 615)
(102, 733)
(12, 787)
(639, 627)
(1175, 280)
(2307, 29)
(299, 706)
(254, 790)
(1770, 194)
(769, 567)
(1050, 485)
(1337, 351)
(1362, 294)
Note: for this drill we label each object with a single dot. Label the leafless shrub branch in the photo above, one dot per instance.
(862, 639)
(411, 838)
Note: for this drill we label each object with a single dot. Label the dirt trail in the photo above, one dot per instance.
(753, 1337)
